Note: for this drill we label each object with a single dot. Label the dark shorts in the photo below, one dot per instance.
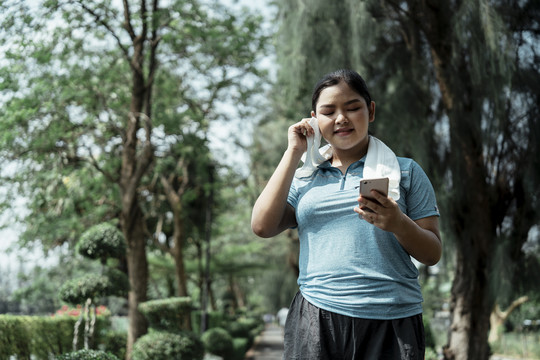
(312, 333)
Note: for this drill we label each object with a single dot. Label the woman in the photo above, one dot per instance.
(359, 295)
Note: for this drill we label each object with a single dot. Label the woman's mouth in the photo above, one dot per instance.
(343, 131)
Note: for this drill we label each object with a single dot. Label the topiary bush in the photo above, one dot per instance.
(219, 342)
(166, 346)
(94, 286)
(87, 355)
(102, 241)
(170, 314)
(118, 283)
(90, 286)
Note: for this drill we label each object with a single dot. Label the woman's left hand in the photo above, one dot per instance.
(385, 212)
(420, 238)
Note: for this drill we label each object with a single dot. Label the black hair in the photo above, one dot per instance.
(350, 77)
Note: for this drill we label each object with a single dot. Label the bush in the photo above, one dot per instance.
(215, 319)
(219, 342)
(14, 337)
(241, 347)
(91, 286)
(170, 314)
(87, 355)
(115, 342)
(247, 328)
(167, 346)
(102, 241)
(40, 336)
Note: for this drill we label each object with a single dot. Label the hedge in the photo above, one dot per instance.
(169, 314)
(41, 336)
(159, 345)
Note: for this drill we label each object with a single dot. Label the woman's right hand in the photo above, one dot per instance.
(297, 135)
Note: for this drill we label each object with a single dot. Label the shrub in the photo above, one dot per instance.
(166, 346)
(40, 336)
(93, 286)
(117, 284)
(87, 355)
(241, 346)
(102, 241)
(215, 319)
(115, 342)
(90, 286)
(170, 314)
(243, 327)
(14, 337)
(219, 342)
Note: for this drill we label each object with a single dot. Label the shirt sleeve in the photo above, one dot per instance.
(292, 198)
(421, 200)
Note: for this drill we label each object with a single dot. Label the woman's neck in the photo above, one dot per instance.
(342, 159)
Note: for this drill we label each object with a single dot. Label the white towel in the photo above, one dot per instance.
(313, 156)
(380, 160)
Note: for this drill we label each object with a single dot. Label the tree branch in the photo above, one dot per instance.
(127, 20)
(94, 163)
(102, 22)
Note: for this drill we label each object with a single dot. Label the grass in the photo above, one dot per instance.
(518, 345)
(515, 345)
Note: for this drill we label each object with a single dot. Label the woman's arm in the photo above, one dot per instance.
(271, 212)
(420, 238)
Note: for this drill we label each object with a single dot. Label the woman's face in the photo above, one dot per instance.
(343, 117)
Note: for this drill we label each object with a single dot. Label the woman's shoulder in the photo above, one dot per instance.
(411, 171)
(405, 163)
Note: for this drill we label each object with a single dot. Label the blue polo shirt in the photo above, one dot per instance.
(347, 265)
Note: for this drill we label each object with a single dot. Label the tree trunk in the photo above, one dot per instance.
(136, 159)
(180, 269)
(178, 255)
(471, 224)
(138, 280)
(469, 217)
(471, 302)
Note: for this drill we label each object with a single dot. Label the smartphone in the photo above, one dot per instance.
(379, 184)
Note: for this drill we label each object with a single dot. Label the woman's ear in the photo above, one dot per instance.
(313, 113)
(372, 111)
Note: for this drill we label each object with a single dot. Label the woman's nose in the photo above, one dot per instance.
(341, 119)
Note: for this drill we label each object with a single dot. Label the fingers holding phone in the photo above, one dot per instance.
(368, 185)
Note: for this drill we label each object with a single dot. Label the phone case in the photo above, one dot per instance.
(379, 184)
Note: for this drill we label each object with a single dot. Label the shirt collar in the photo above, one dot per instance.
(328, 164)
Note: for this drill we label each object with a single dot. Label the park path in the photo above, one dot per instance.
(268, 345)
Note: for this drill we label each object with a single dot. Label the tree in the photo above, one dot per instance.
(464, 75)
(94, 94)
